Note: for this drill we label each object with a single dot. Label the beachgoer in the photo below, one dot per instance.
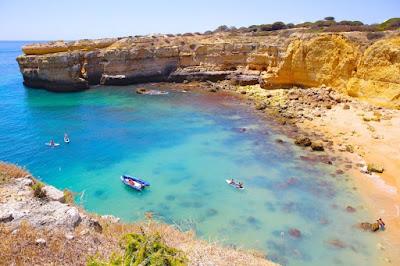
(381, 224)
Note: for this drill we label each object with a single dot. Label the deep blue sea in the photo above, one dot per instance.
(185, 145)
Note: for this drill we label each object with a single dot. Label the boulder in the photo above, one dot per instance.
(372, 227)
(73, 217)
(374, 167)
(54, 194)
(5, 216)
(141, 91)
(261, 106)
(244, 80)
(302, 141)
(317, 145)
(95, 225)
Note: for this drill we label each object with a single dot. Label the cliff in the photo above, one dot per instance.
(348, 62)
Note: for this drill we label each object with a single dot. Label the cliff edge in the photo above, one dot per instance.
(349, 62)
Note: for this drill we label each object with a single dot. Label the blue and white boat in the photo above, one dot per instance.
(134, 182)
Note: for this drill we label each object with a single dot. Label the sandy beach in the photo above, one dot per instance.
(358, 133)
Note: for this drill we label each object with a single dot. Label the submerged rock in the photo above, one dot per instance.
(350, 209)
(336, 243)
(294, 232)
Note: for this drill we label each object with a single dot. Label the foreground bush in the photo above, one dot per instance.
(38, 190)
(142, 249)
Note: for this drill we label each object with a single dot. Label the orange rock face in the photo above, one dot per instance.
(347, 62)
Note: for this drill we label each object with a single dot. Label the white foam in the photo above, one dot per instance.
(380, 183)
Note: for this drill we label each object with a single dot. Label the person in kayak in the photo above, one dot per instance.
(231, 181)
(240, 185)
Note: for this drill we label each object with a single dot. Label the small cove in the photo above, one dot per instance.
(185, 145)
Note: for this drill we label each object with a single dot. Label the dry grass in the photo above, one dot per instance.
(20, 248)
(11, 171)
(69, 196)
(199, 252)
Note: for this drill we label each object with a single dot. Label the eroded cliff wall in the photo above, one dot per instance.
(347, 62)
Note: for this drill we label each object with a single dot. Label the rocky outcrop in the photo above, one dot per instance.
(347, 62)
(21, 205)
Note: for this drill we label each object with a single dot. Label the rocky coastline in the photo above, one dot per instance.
(349, 62)
(337, 94)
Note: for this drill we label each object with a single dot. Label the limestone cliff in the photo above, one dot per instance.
(348, 62)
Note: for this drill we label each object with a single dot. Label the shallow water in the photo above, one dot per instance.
(185, 145)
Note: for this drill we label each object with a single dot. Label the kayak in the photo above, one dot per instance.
(134, 182)
(234, 184)
(54, 145)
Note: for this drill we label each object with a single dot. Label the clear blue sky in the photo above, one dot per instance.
(73, 19)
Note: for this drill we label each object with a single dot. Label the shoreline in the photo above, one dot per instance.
(347, 132)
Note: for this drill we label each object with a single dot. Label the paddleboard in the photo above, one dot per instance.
(55, 144)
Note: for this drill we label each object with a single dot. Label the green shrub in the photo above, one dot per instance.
(390, 24)
(142, 249)
(38, 190)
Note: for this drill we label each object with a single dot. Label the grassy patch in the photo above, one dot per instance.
(38, 190)
(142, 249)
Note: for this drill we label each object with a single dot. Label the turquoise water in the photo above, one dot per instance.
(185, 145)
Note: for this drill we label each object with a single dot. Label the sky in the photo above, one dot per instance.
(73, 19)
